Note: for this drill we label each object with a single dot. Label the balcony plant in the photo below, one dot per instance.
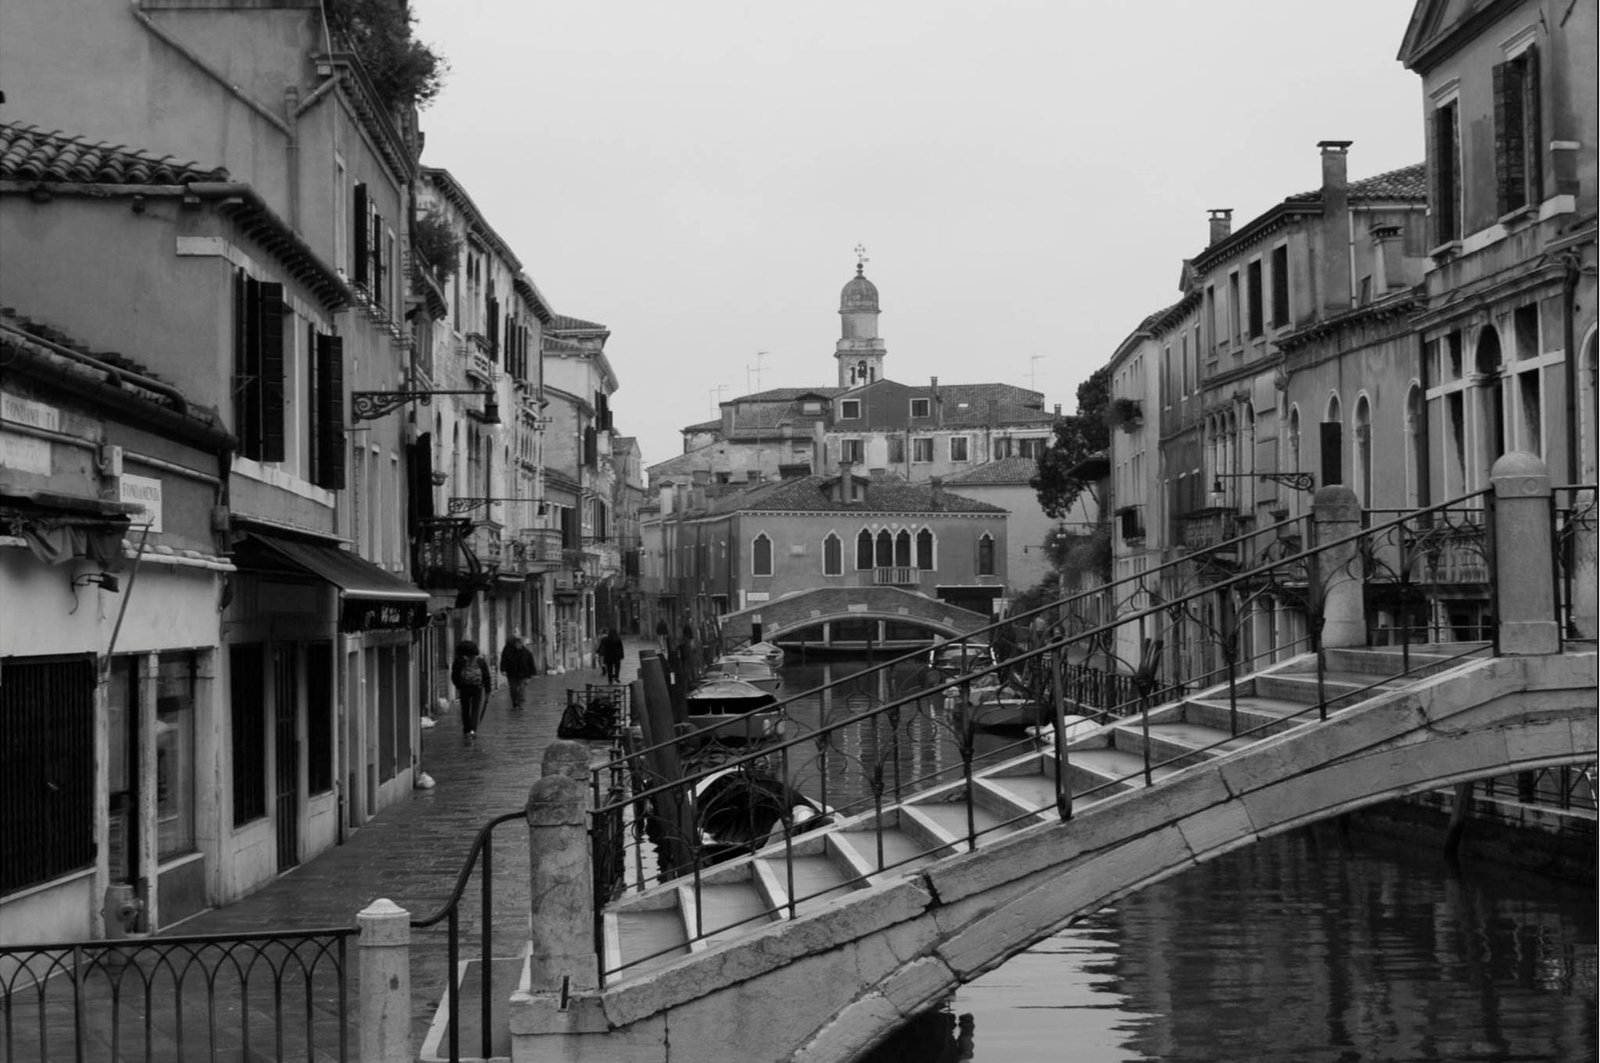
(1125, 413)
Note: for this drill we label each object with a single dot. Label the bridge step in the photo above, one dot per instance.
(1258, 715)
(1179, 744)
(1342, 689)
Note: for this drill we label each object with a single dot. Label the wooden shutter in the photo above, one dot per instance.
(1332, 433)
(242, 373)
(360, 222)
(249, 427)
(1532, 130)
(272, 311)
(1507, 135)
(330, 415)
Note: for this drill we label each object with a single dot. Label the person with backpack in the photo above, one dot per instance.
(471, 676)
(516, 664)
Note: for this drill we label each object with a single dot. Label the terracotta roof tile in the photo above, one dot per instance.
(566, 323)
(30, 154)
(1408, 182)
(1000, 471)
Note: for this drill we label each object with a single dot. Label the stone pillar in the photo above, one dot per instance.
(1524, 557)
(1335, 513)
(385, 960)
(563, 956)
(565, 757)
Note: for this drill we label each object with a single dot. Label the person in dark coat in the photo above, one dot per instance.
(611, 654)
(516, 664)
(472, 679)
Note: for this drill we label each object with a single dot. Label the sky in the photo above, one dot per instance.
(1026, 177)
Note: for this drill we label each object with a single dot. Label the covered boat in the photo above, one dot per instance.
(726, 709)
(741, 809)
(753, 670)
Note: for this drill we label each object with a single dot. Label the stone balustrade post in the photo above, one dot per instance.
(563, 956)
(1336, 513)
(385, 977)
(1523, 560)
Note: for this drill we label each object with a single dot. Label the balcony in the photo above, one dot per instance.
(487, 544)
(445, 559)
(534, 550)
(895, 577)
(1130, 523)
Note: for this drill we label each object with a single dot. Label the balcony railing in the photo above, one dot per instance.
(895, 577)
(534, 550)
(1205, 528)
(444, 556)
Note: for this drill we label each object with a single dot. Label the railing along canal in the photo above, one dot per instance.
(1090, 658)
(278, 996)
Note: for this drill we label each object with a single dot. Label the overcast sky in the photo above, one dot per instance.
(1027, 177)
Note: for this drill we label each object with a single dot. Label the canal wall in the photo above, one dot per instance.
(1551, 841)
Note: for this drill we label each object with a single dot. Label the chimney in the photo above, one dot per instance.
(1387, 272)
(847, 482)
(701, 477)
(1335, 226)
(936, 486)
(1221, 223)
(1058, 409)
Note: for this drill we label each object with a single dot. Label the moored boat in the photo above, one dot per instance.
(753, 670)
(726, 709)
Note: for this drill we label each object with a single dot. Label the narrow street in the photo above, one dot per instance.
(412, 852)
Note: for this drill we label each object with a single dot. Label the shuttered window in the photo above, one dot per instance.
(47, 779)
(327, 415)
(361, 230)
(258, 368)
(1445, 145)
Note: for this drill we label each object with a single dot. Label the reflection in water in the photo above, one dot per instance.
(1302, 947)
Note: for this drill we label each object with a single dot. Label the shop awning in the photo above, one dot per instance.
(373, 599)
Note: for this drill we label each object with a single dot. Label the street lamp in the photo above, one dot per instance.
(371, 405)
(1299, 481)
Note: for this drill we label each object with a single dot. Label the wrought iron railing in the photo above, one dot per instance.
(1094, 657)
(1576, 559)
(481, 851)
(202, 997)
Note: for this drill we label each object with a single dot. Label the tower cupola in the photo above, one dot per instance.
(859, 352)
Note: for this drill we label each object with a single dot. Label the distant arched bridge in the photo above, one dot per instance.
(892, 608)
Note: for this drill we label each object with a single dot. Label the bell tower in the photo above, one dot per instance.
(859, 351)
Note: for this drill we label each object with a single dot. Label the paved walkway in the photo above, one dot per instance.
(413, 851)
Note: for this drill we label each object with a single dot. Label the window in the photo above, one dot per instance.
(1253, 296)
(319, 717)
(958, 448)
(850, 450)
(922, 450)
(258, 367)
(1212, 321)
(1445, 205)
(832, 556)
(850, 410)
(1031, 448)
(986, 555)
(925, 550)
(897, 450)
(1233, 307)
(761, 556)
(326, 411)
(811, 406)
(884, 555)
(902, 550)
(1280, 286)
(1184, 365)
(1516, 123)
(864, 549)
(921, 407)
(47, 770)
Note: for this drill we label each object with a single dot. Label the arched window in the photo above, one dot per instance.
(885, 557)
(864, 549)
(925, 550)
(1331, 442)
(1363, 438)
(902, 550)
(1294, 439)
(761, 556)
(832, 556)
(985, 555)
(1492, 403)
(1415, 442)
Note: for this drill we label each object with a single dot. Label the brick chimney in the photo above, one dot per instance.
(936, 485)
(846, 489)
(1221, 223)
(1387, 272)
(1335, 226)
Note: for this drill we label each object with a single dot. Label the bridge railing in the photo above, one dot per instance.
(861, 742)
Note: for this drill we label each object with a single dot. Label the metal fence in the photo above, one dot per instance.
(1418, 576)
(176, 999)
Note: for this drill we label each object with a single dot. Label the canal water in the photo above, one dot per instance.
(1327, 945)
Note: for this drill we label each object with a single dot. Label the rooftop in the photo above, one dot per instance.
(28, 153)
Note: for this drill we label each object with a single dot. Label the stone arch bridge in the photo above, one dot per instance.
(783, 617)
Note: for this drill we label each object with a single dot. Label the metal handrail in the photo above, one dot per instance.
(482, 844)
(1308, 583)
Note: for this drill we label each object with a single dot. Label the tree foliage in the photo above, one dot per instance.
(1077, 436)
(403, 70)
(433, 236)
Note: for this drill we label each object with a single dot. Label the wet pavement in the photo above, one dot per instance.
(413, 851)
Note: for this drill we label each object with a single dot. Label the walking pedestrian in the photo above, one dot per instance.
(472, 678)
(516, 664)
(611, 654)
